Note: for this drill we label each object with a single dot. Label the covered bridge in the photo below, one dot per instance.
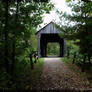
(47, 34)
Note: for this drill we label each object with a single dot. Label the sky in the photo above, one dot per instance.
(61, 5)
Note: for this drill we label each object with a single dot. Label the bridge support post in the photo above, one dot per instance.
(39, 49)
(61, 50)
(64, 47)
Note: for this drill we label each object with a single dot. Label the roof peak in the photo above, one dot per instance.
(44, 27)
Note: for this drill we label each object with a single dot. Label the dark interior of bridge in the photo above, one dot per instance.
(46, 38)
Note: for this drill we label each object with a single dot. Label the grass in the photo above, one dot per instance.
(65, 60)
(35, 74)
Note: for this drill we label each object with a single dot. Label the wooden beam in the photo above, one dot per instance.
(86, 1)
(39, 49)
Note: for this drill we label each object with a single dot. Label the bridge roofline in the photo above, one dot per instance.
(44, 27)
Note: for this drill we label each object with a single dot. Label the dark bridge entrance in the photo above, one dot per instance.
(49, 34)
(46, 38)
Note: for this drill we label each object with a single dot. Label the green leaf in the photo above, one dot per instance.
(68, 0)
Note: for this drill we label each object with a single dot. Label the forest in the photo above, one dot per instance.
(21, 19)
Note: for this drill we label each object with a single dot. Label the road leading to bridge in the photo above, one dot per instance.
(56, 75)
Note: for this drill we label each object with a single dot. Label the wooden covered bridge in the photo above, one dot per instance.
(47, 34)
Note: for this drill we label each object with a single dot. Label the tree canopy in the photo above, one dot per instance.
(78, 25)
(18, 23)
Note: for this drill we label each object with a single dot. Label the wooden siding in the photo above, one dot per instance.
(48, 29)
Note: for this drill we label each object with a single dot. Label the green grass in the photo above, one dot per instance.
(36, 73)
(38, 67)
(31, 77)
(65, 60)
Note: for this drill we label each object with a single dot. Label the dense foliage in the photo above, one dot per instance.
(53, 49)
(78, 27)
(18, 24)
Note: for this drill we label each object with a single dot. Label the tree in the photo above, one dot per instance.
(79, 26)
(19, 20)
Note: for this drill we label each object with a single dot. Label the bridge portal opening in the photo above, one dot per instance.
(51, 38)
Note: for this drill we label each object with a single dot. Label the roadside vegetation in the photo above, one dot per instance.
(32, 77)
(76, 28)
(19, 21)
(77, 69)
(53, 49)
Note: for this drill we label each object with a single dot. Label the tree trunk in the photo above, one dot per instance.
(84, 61)
(74, 57)
(31, 62)
(68, 52)
(6, 36)
(89, 60)
(14, 43)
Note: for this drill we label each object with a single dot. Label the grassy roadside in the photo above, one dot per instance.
(77, 69)
(32, 77)
(71, 66)
(26, 78)
(35, 74)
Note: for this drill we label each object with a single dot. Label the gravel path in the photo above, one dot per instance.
(56, 75)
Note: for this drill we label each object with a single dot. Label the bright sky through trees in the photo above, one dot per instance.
(61, 5)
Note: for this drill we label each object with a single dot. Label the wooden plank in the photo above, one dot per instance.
(39, 47)
(49, 29)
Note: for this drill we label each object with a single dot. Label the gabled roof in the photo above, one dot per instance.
(44, 27)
